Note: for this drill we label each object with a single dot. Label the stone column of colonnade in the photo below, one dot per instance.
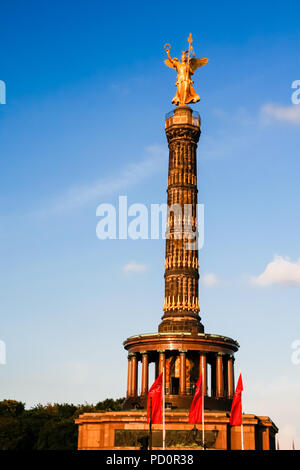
(222, 372)
(162, 361)
(145, 373)
(129, 376)
(132, 378)
(230, 376)
(182, 375)
(219, 376)
(203, 371)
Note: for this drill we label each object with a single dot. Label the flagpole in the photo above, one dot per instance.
(242, 436)
(236, 413)
(163, 412)
(203, 441)
(242, 426)
(150, 425)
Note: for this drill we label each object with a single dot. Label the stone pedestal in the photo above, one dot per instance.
(123, 430)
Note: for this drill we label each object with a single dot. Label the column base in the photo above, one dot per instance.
(182, 324)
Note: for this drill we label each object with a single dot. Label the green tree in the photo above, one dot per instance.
(11, 408)
(45, 427)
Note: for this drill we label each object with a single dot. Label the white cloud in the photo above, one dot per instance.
(289, 114)
(130, 175)
(279, 271)
(134, 267)
(209, 279)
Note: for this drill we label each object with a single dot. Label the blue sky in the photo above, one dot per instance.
(87, 91)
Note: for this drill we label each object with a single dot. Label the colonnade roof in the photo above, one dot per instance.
(181, 334)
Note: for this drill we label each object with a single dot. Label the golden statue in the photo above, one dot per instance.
(185, 92)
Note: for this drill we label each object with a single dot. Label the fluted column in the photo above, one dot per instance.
(145, 373)
(134, 375)
(182, 377)
(181, 306)
(219, 376)
(203, 370)
(129, 376)
(230, 376)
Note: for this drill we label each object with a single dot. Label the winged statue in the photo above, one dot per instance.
(185, 68)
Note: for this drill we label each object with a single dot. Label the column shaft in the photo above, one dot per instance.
(129, 377)
(203, 370)
(182, 377)
(134, 376)
(219, 376)
(145, 374)
(230, 377)
(162, 362)
(181, 305)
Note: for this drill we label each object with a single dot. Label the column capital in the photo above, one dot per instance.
(161, 351)
(220, 354)
(182, 351)
(144, 353)
(130, 355)
(202, 353)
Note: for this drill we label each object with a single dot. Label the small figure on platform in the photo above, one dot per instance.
(185, 68)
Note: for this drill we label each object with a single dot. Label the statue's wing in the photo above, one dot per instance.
(171, 64)
(196, 63)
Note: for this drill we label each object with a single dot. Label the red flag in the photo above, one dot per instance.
(156, 393)
(236, 407)
(195, 415)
